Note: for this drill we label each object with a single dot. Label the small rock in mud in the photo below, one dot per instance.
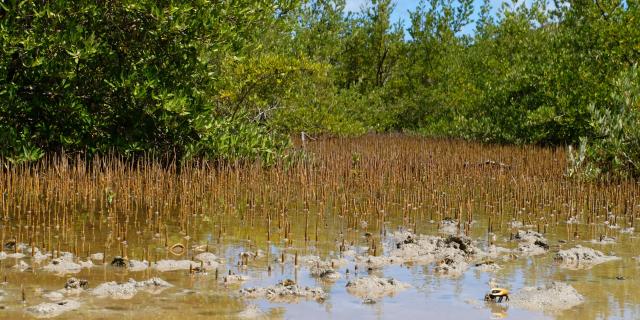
(53, 309)
(285, 292)
(531, 243)
(372, 287)
(582, 257)
(556, 296)
(173, 265)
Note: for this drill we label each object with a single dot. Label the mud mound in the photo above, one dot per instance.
(174, 265)
(50, 310)
(425, 249)
(208, 259)
(582, 257)
(62, 266)
(129, 289)
(531, 243)
(373, 287)
(286, 291)
(556, 296)
(324, 270)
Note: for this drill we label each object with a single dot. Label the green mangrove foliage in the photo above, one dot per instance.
(234, 79)
(134, 76)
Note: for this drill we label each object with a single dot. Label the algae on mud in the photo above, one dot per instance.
(408, 209)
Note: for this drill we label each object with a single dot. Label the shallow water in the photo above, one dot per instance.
(202, 296)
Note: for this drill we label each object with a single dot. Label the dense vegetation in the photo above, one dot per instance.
(233, 79)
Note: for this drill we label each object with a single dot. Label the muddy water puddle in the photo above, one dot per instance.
(380, 227)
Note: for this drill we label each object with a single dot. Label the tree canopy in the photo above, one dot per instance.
(233, 79)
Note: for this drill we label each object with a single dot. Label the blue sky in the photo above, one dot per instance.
(402, 7)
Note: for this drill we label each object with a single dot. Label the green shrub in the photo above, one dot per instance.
(614, 151)
(130, 76)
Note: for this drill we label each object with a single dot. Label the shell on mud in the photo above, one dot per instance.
(177, 249)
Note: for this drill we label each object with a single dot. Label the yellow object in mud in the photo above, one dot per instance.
(497, 294)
